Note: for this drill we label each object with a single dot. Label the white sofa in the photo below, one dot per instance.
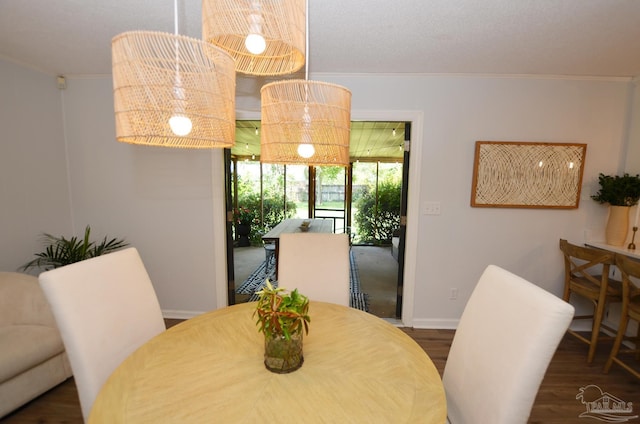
(32, 355)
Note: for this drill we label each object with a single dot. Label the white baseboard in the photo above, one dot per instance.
(173, 314)
(425, 323)
(452, 324)
(436, 324)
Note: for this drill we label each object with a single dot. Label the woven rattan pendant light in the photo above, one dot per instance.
(278, 24)
(173, 91)
(305, 122)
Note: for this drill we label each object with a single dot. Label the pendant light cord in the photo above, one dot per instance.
(175, 16)
(306, 41)
(177, 82)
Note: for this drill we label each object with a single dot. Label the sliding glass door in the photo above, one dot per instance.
(364, 199)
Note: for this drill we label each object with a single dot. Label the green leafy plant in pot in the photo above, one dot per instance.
(283, 318)
(60, 251)
(620, 192)
(244, 218)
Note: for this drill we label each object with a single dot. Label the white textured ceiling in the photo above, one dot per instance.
(599, 38)
(550, 37)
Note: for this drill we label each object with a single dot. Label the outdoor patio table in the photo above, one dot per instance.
(292, 225)
(209, 369)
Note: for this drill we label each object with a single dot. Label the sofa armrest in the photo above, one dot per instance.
(22, 301)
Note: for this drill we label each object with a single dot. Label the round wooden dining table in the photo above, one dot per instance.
(210, 369)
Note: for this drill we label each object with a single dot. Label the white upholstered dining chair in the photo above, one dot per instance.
(506, 337)
(105, 308)
(317, 264)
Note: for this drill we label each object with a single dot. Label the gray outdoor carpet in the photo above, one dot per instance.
(256, 280)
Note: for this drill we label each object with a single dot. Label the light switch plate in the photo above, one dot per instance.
(431, 208)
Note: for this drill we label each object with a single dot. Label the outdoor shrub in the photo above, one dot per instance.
(375, 222)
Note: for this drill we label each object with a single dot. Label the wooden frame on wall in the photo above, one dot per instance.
(510, 174)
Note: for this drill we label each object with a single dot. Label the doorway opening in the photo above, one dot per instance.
(364, 200)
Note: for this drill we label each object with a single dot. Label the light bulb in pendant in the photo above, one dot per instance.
(255, 42)
(180, 125)
(306, 150)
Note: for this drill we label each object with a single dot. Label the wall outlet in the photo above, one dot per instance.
(453, 295)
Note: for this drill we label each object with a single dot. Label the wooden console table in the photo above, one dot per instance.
(616, 249)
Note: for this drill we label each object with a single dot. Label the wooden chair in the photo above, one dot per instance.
(105, 308)
(317, 264)
(506, 337)
(630, 270)
(586, 274)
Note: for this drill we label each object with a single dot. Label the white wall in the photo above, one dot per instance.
(632, 154)
(455, 247)
(163, 201)
(159, 199)
(33, 172)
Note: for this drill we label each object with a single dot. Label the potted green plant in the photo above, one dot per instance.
(60, 251)
(283, 318)
(244, 217)
(620, 192)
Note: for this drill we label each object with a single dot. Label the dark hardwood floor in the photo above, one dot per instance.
(556, 401)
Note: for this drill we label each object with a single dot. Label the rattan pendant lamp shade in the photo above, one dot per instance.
(305, 122)
(160, 77)
(280, 23)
